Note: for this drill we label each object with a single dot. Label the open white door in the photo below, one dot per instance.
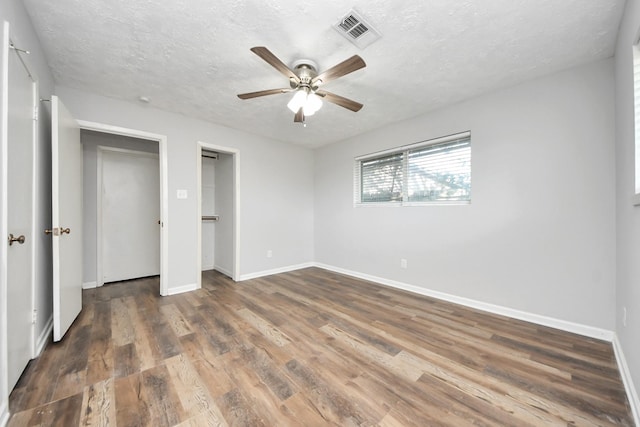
(66, 217)
(17, 169)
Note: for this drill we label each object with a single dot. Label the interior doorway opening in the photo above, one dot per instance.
(210, 215)
(217, 217)
(123, 141)
(121, 208)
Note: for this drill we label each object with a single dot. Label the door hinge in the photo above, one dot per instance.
(35, 113)
(34, 319)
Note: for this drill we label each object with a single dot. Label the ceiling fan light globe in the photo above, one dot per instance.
(313, 104)
(298, 101)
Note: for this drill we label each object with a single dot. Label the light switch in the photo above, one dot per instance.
(182, 194)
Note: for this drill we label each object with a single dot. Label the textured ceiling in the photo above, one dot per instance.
(192, 56)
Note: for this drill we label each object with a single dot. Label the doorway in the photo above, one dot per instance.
(218, 210)
(121, 208)
(136, 139)
(210, 215)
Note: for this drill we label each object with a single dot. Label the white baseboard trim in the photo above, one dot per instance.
(4, 413)
(89, 285)
(576, 328)
(43, 338)
(182, 289)
(208, 267)
(625, 373)
(279, 270)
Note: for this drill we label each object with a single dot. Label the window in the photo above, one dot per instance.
(382, 179)
(429, 172)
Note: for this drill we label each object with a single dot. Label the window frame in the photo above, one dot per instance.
(405, 149)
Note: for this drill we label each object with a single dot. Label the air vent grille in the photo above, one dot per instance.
(354, 28)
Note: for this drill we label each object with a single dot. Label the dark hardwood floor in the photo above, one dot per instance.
(311, 348)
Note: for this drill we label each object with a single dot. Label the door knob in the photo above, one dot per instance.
(58, 231)
(20, 239)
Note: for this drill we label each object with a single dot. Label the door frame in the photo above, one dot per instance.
(164, 185)
(235, 153)
(100, 149)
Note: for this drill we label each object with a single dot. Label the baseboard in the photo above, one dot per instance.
(576, 328)
(4, 413)
(89, 285)
(625, 373)
(43, 338)
(182, 289)
(275, 271)
(208, 267)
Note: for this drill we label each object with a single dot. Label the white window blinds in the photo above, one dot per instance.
(440, 172)
(428, 172)
(382, 179)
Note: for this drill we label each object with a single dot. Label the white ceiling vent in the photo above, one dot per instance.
(355, 29)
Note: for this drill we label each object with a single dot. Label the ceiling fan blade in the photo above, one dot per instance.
(273, 60)
(345, 67)
(299, 117)
(340, 100)
(250, 95)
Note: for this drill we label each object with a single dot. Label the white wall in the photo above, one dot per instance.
(90, 142)
(276, 179)
(539, 235)
(628, 216)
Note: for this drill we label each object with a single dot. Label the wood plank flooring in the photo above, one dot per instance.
(311, 348)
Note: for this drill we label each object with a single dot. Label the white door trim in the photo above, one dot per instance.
(235, 153)
(164, 195)
(34, 209)
(100, 149)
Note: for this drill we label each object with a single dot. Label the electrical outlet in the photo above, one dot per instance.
(403, 263)
(269, 253)
(624, 316)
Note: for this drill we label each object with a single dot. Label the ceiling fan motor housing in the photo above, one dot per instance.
(306, 70)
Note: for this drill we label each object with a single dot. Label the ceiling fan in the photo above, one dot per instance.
(305, 81)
